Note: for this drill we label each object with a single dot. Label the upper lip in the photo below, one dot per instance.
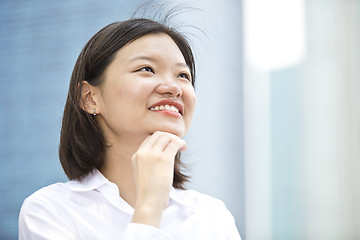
(170, 102)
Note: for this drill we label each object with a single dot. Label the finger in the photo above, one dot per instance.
(174, 146)
(159, 140)
(184, 148)
(150, 140)
(146, 146)
(145, 142)
(163, 141)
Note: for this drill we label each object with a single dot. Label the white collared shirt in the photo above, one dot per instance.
(93, 209)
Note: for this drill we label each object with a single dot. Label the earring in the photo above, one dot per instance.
(93, 111)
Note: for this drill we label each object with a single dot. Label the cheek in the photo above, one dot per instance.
(113, 97)
(137, 87)
(191, 98)
(125, 93)
(191, 103)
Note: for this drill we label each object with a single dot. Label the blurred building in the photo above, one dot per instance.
(276, 133)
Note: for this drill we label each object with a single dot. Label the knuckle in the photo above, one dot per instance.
(158, 133)
(140, 154)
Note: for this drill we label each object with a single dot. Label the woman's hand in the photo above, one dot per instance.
(153, 168)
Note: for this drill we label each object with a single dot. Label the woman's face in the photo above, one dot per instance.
(147, 88)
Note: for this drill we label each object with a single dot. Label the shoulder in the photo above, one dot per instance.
(201, 201)
(49, 192)
(203, 198)
(195, 197)
(43, 214)
(45, 199)
(208, 211)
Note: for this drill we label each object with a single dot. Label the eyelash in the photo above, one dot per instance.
(145, 69)
(186, 76)
(150, 69)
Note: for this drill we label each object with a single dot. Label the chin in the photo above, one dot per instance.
(177, 132)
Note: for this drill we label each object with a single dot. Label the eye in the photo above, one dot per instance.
(184, 75)
(146, 69)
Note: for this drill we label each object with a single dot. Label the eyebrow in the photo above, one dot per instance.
(151, 59)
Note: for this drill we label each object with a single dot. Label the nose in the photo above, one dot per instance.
(169, 87)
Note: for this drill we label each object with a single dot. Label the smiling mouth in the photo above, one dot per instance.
(165, 107)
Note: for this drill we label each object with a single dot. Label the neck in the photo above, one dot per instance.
(117, 166)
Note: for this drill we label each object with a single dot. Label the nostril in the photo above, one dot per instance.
(170, 89)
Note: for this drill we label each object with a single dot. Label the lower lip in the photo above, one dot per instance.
(167, 112)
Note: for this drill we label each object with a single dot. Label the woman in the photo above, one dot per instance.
(131, 100)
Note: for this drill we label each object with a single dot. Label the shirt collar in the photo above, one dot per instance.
(96, 179)
(92, 181)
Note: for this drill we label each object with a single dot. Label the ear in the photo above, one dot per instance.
(88, 98)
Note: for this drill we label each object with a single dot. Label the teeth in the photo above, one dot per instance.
(174, 109)
(166, 107)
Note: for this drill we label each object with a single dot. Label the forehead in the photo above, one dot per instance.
(159, 45)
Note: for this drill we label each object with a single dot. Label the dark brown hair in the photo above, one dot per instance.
(82, 143)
